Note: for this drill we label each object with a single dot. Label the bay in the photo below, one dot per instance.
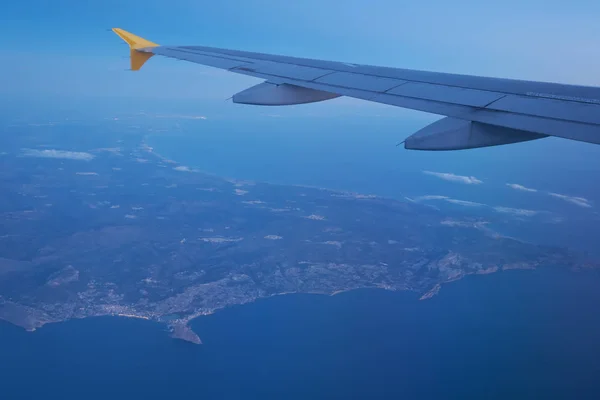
(516, 334)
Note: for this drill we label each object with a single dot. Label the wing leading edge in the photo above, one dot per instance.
(480, 111)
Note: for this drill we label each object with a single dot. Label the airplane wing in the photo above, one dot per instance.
(479, 111)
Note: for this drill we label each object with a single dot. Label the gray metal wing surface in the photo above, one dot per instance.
(479, 111)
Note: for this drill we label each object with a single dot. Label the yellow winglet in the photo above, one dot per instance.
(138, 58)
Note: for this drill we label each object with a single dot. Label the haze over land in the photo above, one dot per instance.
(112, 228)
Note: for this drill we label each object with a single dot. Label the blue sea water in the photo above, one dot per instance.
(517, 334)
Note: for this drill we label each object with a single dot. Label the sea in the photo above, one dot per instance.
(513, 334)
(516, 334)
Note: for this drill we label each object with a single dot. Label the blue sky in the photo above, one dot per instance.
(64, 49)
(63, 54)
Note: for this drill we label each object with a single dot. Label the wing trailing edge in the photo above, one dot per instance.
(480, 111)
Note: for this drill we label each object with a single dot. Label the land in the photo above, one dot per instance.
(112, 228)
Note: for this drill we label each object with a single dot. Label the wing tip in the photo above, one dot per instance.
(135, 42)
(138, 58)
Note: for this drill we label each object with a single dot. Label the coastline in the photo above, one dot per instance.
(346, 275)
(180, 329)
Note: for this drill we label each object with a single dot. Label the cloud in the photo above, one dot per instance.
(519, 212)
(430, 197)
(182, 168)
(520, 187)
(469, 180)
(51, 153)
(516, 211)
(273, 237)
(464, 203)
(448, 199)
(578, 201)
